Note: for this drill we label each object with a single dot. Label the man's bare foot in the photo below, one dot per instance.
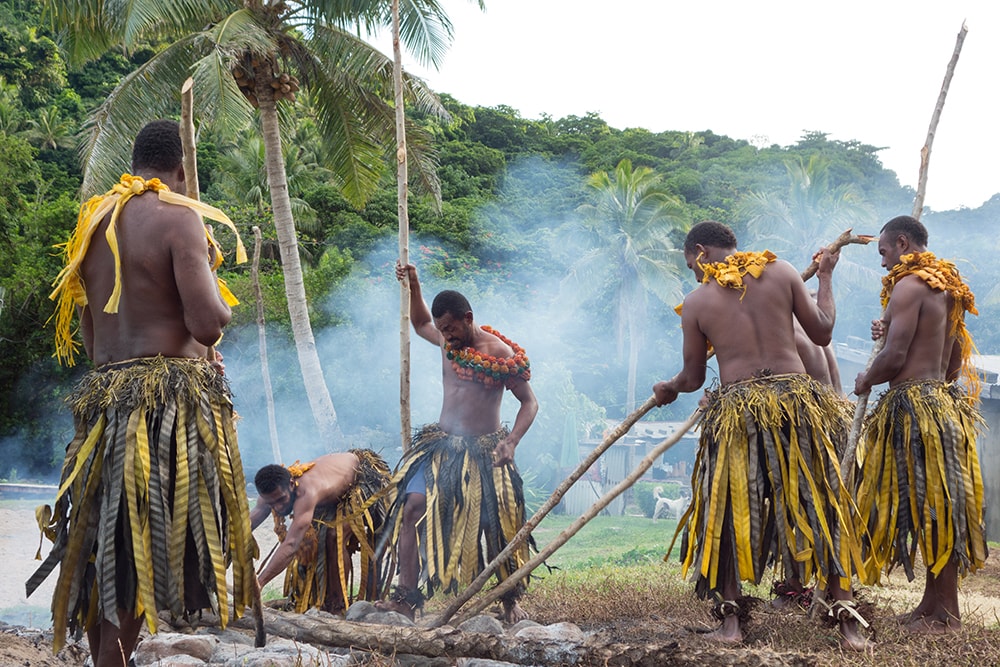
(727, 633)
(513, 613)
(852, 641)
(931, 625)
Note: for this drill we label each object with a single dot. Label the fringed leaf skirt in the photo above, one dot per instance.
(473, 508)
(921, 485)
(340, 530)
(767, 484)
(152, 503)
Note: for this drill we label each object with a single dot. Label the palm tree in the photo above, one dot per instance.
(629, 221)
(254, 54)
(811, 212)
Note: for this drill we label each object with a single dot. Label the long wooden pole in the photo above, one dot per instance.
(265, 372)
(190, 162)
(647, 462)
(845, 238)
(402, 192)
(847, 464)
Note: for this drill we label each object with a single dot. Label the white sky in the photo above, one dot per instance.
(857, 70)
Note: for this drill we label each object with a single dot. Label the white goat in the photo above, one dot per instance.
(671, 508)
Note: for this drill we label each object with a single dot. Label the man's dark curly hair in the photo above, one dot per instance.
(450, 301)
(271, 477)
(909, 227)
(709, 233)
(158, 147)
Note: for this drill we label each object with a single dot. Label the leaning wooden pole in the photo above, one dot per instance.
(190, 162)
(563, 537)
(847, 464)
(402, 192)
(845, 238)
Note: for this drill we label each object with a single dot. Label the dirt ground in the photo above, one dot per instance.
(979, 598)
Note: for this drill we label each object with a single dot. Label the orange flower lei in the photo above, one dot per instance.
(471, 364)
(941, 275)
(729, 273)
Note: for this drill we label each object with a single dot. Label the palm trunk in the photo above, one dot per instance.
(402, 178)
(298, 311)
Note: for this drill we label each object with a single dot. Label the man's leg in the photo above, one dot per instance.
(112, 646)
(940, 601)
(848, 622)
(414, 508)
(336, 597)
(728, 586)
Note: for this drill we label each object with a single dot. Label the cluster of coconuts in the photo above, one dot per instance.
(284, 85)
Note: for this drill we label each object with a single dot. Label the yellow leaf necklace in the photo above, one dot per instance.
(730, 272)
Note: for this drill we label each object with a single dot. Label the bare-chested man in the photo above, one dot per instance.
(326, 501)
(458, 484)
(925, 424)
(154, 430)
(760, 477)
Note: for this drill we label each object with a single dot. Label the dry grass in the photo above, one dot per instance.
(652, 604)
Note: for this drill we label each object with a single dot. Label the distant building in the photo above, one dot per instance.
(624, 456)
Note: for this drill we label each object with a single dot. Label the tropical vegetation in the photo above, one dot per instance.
(520, 221)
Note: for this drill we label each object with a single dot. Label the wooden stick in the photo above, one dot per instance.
(845, 238)
(402, 194)
(847, 464)
(647, 462)
(265, 371)
(190, 163)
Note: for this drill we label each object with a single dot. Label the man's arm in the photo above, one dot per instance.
(303, 514)
(420, 314)
(817, 317)
(695, 347)
(902, 314)
(259, 513)
(504, 451)
(954, 362)
(205, 312)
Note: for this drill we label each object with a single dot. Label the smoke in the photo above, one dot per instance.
(515, 282)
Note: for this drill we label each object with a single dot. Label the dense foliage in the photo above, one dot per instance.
(514, 219)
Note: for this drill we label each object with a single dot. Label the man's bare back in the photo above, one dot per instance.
(327, 481)
(170, 304)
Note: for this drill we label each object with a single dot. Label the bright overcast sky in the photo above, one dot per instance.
(868, 70)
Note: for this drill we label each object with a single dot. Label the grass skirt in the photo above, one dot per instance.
(920, 472)
(767, 477)
(473, 508)
(152, 504)
(354, 523)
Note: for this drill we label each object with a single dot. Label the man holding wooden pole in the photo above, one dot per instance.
(457, 497)
(766, 485)
(921, 485)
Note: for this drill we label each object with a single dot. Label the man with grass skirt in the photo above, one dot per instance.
(766, 485)
(457, 498)
(152, 504)
(921, 486)
(336, 510)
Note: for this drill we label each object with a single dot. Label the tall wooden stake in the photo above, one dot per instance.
(849, 460)
(402, 191)
(190, 162)
(265, 371)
